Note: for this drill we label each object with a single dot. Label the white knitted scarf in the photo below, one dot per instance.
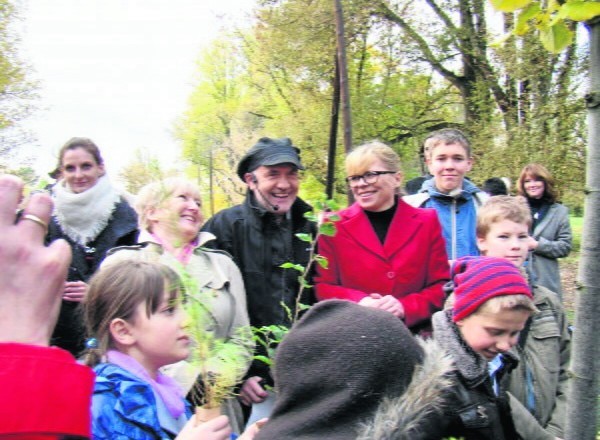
(83, 216)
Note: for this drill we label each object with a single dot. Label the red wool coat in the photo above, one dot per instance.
(412, 265)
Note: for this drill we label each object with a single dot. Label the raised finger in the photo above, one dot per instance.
(11, 189)
(39, 208)
(62, 253)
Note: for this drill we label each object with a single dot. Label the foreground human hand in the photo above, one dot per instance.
(74, 291)
(252, 391)
(252, 430)
(32, 275)
(215, 429)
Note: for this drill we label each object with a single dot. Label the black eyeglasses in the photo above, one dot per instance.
(369, 177)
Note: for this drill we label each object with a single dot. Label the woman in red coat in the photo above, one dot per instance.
(385, 253)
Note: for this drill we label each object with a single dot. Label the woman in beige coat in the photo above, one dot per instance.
(170, 218)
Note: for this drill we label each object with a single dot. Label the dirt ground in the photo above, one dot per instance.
(568, 274)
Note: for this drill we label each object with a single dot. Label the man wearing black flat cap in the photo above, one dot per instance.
(260, 234)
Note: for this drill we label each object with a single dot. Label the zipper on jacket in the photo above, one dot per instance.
(453, 229)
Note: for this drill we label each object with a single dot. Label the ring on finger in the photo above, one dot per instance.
(36, 219)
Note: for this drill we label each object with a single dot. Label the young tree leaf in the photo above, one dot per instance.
(556, 37)
(310, 216)
(327, 229)
(501, 40)
(580, 10)
(322, 261)
(522, 24)
(264, 359)
(289, 265)
(304, 237)
(304, 283)
(509, 5)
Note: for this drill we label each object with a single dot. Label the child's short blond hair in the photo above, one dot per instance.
(446, 136)
(507, 302)
(499, 303)
(500, 208)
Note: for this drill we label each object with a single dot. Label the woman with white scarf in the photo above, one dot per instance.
(93, 217)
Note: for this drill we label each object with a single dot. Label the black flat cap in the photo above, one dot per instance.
(268, 152)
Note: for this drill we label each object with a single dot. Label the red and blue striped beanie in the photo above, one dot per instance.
(477, 279)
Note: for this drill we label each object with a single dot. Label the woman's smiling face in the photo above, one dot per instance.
(80, 170)
(534, 187)
(379, 195)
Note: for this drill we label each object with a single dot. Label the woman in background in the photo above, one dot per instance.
(551, 236)
(93, 217)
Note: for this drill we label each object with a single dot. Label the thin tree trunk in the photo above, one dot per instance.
(344, 89)
(333, 129)
(585, 361)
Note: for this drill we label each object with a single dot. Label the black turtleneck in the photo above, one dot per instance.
(381, 220)
(539, 208)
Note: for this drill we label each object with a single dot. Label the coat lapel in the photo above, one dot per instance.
(403, 227)
(358, 227)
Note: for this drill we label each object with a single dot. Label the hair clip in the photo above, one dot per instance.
(91, 343)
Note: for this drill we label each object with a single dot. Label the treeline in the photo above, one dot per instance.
(414, 66)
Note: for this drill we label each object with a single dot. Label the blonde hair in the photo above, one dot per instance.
(496, 304)
(116, 291)
(362, 157)
(446, 136)
(499, 208)
(154, 194)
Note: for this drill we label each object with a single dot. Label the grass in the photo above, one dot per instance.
(577, 227)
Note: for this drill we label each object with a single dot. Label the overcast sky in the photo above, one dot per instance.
(117, 71)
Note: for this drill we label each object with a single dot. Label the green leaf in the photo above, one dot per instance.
(304, 283)
(580, 10)
(264, 359)
(530, 12)
(501, 40)
(333, 218)
(332, 205)
(556, 37)
(289, 265)
(303, 306)
(304, 237)
(311, 216)
(322, 261)
(509, 5)
(327, 229)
